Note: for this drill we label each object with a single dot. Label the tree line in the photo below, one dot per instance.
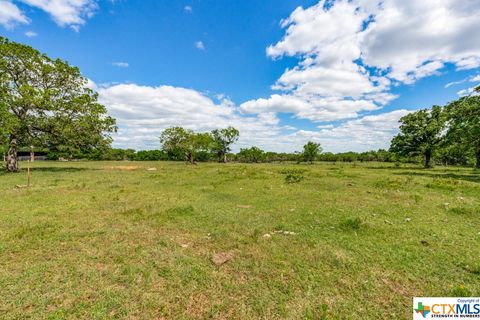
(244, 155)
(46, 104)
(448, 133)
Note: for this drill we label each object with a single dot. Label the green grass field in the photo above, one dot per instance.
(106, 240)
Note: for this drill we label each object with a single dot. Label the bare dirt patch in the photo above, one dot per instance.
(222, 257)
(124, 168)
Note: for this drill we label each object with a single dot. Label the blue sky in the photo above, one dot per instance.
(321, 75)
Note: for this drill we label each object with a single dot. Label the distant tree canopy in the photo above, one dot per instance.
(310, 151)
(247, 155)
(253, 154)
(46, 103)
(222, 141)
(420, 133)
(181, 143)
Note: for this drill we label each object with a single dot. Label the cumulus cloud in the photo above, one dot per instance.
(352, 52)
(415, 38)
(311, 108)
(143, 112)
(11, 15)
(66, 13)
(366, 133)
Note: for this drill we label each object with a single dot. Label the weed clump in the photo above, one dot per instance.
(351, 224)
(181, 211)
(293, 178)
(475, 269)
(459, 210)
(461, 291)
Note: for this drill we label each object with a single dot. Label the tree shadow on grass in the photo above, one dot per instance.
(473, 176)
(393, 167)
(59, 169)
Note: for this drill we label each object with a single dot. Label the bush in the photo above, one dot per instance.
(293, 178)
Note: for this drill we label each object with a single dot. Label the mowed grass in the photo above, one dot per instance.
(105, 240)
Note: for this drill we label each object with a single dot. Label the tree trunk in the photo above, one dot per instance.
(477, 155)
(12, 161)
(225, 158)
(32, 154)
(190, 158)
(428, 159)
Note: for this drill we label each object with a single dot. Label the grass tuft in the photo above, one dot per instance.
(351, 224)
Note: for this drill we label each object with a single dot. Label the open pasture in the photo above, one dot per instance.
(153, 240)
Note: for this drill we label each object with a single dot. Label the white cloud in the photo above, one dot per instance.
(11, 15)
(199, 45)
(142, 112)
(326, 126)
(352, 52)
(91, 85)
(454, 83)
(31, 34)
(467, 92)
(188, 9)
(469, 79)
(312, 108)
(71, 13)
(121, 64)
(408, 35)
(366, 133)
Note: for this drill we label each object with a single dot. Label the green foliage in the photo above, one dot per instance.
(310, 151)
(178, 142)
(46, 103)
(253, 154)
(222, 141)
(420, 133)
(464, 125)
(453, 152)
(351, 224)
(293, 178)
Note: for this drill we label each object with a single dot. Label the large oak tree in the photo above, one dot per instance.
(420, 134)
(46, 103)
(464, 124)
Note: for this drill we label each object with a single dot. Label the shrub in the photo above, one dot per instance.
(293, 178)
